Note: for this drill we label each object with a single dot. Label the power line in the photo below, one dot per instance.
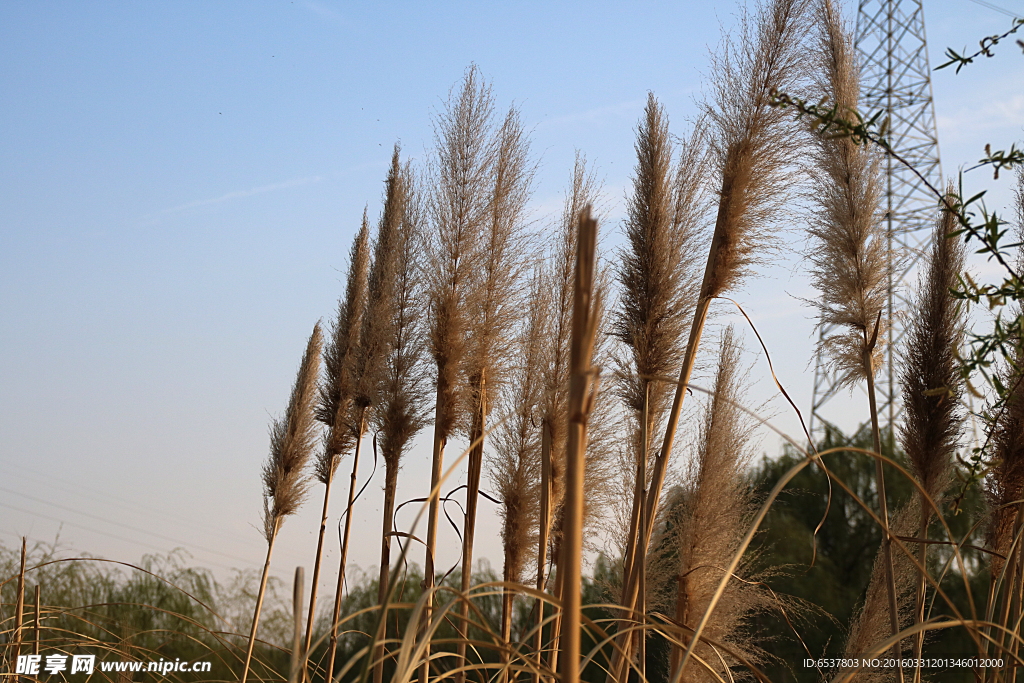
(997, 8)
(104, 498)
(125, 526)
(96, 531)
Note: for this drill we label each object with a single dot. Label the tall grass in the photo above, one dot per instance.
(450, 297)
(285, 481)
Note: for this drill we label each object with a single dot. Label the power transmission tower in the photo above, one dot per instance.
(895, 79)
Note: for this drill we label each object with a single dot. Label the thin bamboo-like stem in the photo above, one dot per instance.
(556, 622)
(883, 508)
(507, 596)
(476, 459)
(543, 538)
(36, 614)
(428, 569)
(642, 565)
(297, 671)
(631, 591)
(681, 608)
(390, 484)
(332, 647)
(316, 566)
(922, 584)
(19, 607)
(580, 399)
(259, 599)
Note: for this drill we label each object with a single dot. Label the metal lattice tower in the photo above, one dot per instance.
(895, 78)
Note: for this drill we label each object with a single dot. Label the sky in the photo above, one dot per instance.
(179, 187)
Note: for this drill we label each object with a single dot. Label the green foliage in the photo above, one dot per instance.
(828, 571)
(160, 609)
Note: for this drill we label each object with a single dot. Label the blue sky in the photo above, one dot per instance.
(180, 183)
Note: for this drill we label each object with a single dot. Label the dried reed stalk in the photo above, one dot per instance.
(497, 310)
(933, 388)
(752, 144)
(515, 464)
(849, 254)
(560, 271)
(19, 607)
(368, 365)
(709, 519)
(461, 185)
(581, 399)
(400, 410)
(336, 391)
(658, 278)
(285, 483)
(297, 667)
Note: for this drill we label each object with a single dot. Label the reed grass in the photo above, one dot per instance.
(582, 192)
(712, 510)
(657, 275)
(933, 389)
(401, 411)
(374, 338)
(448, 278)
(285, 481)
(1004, 487)
(460, 179)
(336, 392)
(497, 311)
(515, 463)
(752, 144)
(851, 260)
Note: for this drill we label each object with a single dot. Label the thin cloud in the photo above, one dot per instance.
(617, 111)
(241, 194)
(993, 114)
(326, 12)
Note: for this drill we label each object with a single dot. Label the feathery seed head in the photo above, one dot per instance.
(291, 442)
(931, 429)
(380, 287)
(461, 176)
(657, 269)
(753, 143)
(850, 260)
(401, 395)
(340, 355)
(710, 514)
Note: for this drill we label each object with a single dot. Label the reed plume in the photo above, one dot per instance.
(369, 362)
(710, 517)
(285, 482)
(400, 410)
(932, 385)
(848, 252)
(515, 463)
(334, 404)
(851, 263)
(752, 144)
(497, 309)
(657, 274)
(461, 177)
